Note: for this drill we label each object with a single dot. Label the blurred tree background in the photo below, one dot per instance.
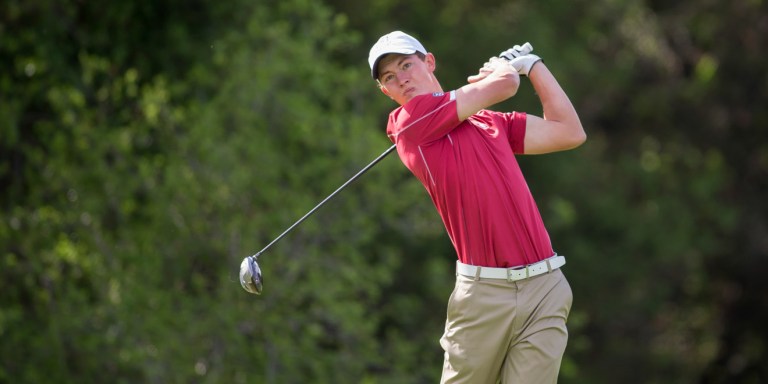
(146, 147)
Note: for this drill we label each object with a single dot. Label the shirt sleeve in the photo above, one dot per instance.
(516, 123)
(424, 118)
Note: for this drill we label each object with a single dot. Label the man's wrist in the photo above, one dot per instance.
(530, 70)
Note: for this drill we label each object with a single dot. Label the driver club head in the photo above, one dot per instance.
(250, 275)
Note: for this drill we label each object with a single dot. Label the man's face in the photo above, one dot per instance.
(404, 76)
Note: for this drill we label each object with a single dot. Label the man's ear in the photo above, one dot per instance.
(385, 91)
(431, 62)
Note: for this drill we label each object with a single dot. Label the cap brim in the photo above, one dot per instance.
(375, 66)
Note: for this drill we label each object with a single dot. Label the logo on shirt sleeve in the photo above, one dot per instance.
(437, 94)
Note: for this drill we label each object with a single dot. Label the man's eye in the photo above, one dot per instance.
(388, 78)
(407, 65)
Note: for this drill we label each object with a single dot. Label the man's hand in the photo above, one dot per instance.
(521, 58)
(496, 81)
(491, 65)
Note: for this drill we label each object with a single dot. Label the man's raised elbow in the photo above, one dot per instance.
(579, 137)
(572, 136)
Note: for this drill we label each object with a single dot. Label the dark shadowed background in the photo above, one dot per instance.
(147, 146)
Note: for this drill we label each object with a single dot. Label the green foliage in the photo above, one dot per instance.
(147, 147)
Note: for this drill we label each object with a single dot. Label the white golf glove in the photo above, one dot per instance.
(521, 58)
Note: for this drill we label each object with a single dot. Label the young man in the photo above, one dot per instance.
(506, 316)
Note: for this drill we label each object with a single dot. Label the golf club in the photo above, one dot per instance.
(250, 274)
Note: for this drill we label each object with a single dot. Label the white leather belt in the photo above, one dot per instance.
(511, 274)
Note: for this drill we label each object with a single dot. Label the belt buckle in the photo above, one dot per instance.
(512, 270)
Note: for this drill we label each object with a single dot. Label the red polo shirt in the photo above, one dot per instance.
(470, 172)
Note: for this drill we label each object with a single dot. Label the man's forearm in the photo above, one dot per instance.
(556, 104)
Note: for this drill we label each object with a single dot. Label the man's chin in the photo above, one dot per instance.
(410, 95)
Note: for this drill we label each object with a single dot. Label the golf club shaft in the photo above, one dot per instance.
(353, 178)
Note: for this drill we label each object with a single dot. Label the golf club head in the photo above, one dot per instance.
(250, 275)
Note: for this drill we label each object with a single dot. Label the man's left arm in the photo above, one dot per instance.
(559, 128)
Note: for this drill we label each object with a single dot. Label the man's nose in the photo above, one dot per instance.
(403, 79)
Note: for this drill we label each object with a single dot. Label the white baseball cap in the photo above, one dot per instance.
(393, 42)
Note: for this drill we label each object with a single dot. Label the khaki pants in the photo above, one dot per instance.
(512, 332)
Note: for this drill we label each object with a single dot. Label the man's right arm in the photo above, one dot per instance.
(559, 128)
(496, 82)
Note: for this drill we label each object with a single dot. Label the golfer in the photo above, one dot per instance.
(506, 318)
